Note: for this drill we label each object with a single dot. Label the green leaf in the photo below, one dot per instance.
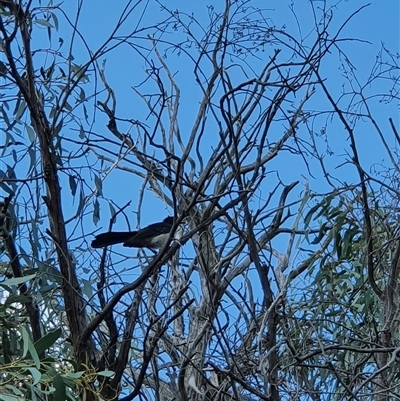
(70, 379)
(25, 340)
(72, 184)
(5, 397)
(67, 106)
(310, 213)
(55, 20)
(112, 210)
(8, 139)
(5, 117)
(99, 185)
(338, 244)
(106, 373)
(82, 95)
(52, 274)
(82, 202)
(60, 393)
(43, 22)
(8, 354)
(18, 280)
(81, 132)
(325, 205)
(11, 173)
(47, 340)
(58, 127)
(52, 112)
(96, 212)
(15, 390)
(32, 158)
(5, 188)
(13, 298)
(87, 288)
(30, 132)
(85, 113)
(73, 375)
(20, 111)
(319, 237)
(36, 375)
(34, 354)
(49, 72)
(36, 244)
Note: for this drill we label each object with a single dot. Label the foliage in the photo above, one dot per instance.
(284, 284)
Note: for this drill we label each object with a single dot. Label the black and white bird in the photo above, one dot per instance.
(154, 236)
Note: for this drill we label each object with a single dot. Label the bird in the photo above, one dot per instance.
(154, 236)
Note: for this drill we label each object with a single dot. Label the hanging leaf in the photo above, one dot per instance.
(58, 128)
(55, 20)
(99, 185)
(67, 106)
(85, 113)
(60, 394)
(309, 215)
(43, 22)
(81, 132)
(112, 209)
(31, 133)
(5, 117)
(72, 184)
(96, 212)
(25, 340)
(82, 95)
(34, 354)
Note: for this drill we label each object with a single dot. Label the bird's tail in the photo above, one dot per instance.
(111, 238)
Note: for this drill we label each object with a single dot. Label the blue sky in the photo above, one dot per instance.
(376, 24)
(367, 31)
(373, 26)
